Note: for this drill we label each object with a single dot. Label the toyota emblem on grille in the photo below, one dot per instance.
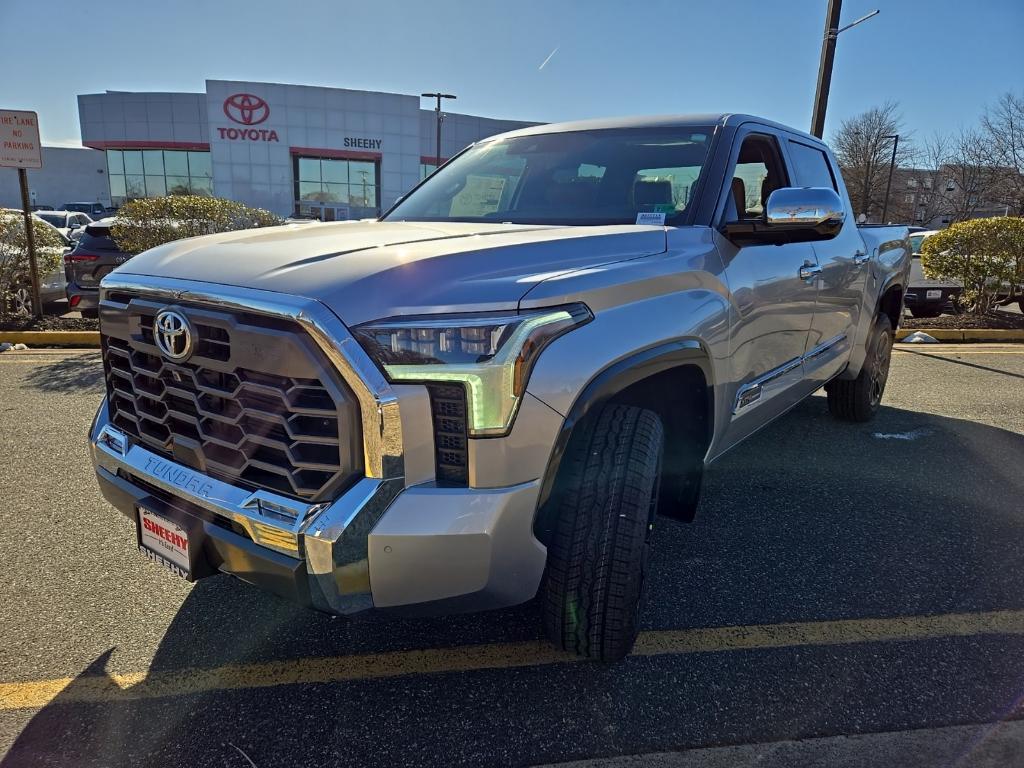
(173, 334)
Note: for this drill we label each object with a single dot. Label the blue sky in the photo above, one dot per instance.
(942, 60)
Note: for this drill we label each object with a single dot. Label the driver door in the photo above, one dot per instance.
(773, 290)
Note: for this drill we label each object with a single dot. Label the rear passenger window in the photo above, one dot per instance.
(810, 166)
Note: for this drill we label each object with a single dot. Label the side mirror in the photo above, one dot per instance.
(794, 215)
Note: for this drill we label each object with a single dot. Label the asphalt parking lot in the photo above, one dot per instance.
(851, 595)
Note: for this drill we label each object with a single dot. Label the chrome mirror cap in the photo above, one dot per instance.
(818, 209)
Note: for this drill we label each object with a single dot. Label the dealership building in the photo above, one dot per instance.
(332, 153)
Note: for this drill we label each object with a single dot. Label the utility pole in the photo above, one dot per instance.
(440, 118)
(828, 54)
(892, 165)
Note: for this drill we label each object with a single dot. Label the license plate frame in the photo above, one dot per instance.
(160, 539)
(933, 294)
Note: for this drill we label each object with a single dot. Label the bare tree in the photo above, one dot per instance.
(864, 153)
(1003, 128)
(971, 180)
(918, 194)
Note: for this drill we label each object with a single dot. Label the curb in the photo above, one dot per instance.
(968, 335)
(52, 338)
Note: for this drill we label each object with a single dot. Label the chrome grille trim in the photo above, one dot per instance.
(253, 405)
(334, 539)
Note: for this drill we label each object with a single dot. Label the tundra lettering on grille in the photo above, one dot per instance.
(256, 404)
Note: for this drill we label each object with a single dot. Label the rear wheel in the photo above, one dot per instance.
(606, 499)
(19, 302)
(860, 398)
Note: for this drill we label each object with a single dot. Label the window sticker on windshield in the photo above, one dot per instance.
(653, 218)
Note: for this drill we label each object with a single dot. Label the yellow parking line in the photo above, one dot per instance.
(34, 694)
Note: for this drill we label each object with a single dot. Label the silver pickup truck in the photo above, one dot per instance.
(494, 391)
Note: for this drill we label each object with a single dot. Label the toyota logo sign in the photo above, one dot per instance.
(246, 109)
(173, 334)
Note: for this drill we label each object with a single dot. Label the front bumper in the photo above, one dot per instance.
(428, 550)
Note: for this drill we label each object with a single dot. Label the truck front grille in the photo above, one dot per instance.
(256, 404)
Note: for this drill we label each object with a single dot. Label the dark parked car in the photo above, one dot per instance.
(95, 255)
(925, 296)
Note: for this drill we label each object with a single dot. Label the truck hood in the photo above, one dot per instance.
(371, 270)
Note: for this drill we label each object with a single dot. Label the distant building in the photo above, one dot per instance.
(69, 174)
(933, 198)
(331, 153)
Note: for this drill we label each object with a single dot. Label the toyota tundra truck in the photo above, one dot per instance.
(495, 390)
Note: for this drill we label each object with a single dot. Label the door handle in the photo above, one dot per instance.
(860, 257)
(809, 271)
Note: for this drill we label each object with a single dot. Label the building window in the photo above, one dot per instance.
(911, 183)
(134, 173)
(426, 169)
(908, 198)
(927, 183)
(919, 215)
(334, 190)
(924, 199)
(950, 185)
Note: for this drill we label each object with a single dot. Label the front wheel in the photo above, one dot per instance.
(605, 498)
(859, 399)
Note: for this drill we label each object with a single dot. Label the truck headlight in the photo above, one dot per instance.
(491, 354)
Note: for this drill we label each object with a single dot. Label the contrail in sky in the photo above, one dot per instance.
(544, 63)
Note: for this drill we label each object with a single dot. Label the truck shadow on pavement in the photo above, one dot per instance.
(77, 373)
(810, 520)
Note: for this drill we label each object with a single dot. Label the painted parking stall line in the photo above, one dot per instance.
(113, 688)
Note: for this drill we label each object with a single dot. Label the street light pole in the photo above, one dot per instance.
(437, 111)
(828, 53)
(892, 165)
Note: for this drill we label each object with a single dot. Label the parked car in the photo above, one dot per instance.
(925, 296)
(68, 223)
(95, 254)
(51, 283)
(96, 210)
(495, 388)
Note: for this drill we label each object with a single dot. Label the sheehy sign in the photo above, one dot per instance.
(19, 139)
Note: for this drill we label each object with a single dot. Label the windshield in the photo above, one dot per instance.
(56, 219)
(915, 244)
(577, 178)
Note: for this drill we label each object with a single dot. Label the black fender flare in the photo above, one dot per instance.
(614, 379)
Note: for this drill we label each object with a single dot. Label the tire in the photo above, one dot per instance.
(859, 399)
(925, 312)
(606, 499)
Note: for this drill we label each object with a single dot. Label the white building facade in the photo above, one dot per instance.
(331, 153)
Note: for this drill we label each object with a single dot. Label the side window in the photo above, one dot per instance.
(811, 167)
(759, 171)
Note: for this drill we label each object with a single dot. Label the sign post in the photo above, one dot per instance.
(19, 148)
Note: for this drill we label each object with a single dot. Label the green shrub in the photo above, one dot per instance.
(985, 255)
(14, 268)
(144, 224)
